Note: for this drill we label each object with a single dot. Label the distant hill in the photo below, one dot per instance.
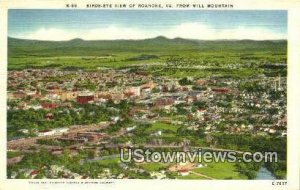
(158, 45)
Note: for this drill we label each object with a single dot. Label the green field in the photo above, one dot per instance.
(220, 170)
(151, 167)
(167, 130)
(158, 56)
(108, 162)
(163, 127)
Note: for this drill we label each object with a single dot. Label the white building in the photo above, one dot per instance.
(46, 133)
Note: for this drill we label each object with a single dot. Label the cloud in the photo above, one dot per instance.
(51, 34)
(204, 32)
(184, 30)
(114, 32)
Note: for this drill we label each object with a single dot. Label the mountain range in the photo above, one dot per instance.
(158, 45)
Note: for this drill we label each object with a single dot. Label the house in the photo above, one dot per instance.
(158, 133)
(272, 131)
(183, 172)
(201, 165)
(33, 173)
(115, 119)
(128, 129)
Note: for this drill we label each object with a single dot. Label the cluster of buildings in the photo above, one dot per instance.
(210, 104)
(82, 87)
(213, 105)
(54, 171)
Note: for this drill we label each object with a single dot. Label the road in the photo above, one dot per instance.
(202, 175)
(194, 147)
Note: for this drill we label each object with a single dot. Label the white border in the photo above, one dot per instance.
(292, 6)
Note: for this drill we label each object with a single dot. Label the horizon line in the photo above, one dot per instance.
(150, 38)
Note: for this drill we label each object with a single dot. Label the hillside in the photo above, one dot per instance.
(159, 45)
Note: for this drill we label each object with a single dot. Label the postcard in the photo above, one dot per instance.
(149, 94)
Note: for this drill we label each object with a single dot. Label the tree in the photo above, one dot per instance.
(185, 81)
(91, 154)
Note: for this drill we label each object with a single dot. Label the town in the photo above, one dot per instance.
(71, 123)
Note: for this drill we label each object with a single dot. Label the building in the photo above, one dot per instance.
(183, 172)
(132, 91)
(220, 90)
(65, 96)
(46, 133)
(167, 101)
(56, 131)
(61, 130)
(49, 106)
(85, 98)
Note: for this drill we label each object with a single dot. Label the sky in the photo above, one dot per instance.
(57, 25)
